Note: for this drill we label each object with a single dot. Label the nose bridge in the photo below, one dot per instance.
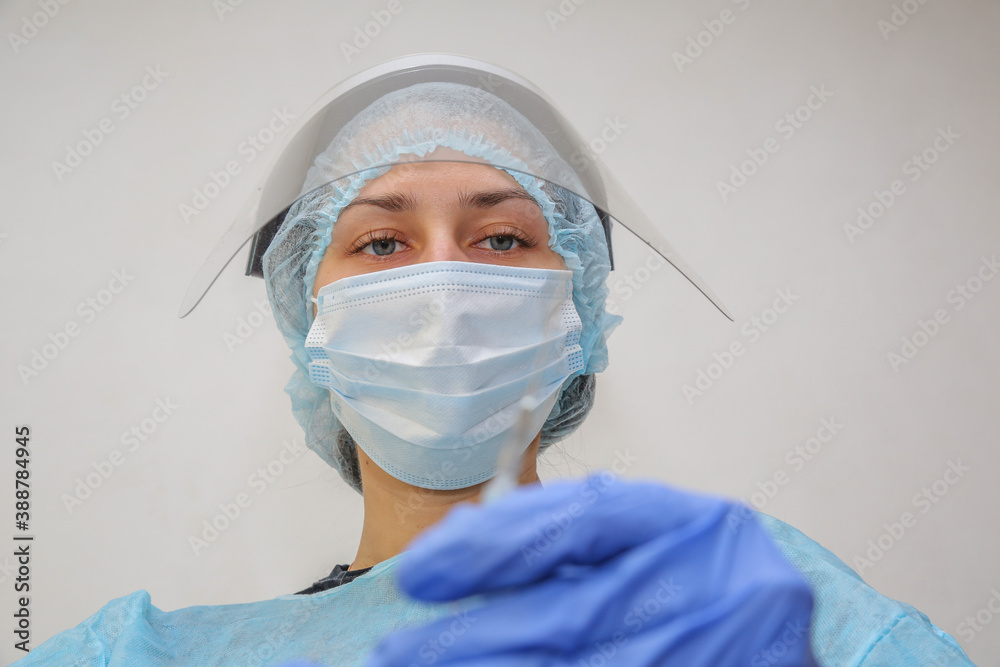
(441, 238)
(442, 247)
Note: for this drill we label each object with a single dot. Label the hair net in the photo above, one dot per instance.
(414, 121)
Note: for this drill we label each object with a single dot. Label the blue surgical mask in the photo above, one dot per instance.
(426, 364)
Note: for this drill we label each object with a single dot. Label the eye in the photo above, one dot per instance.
(502, 242)
(505, 240)
(380, 243)
(380, 247)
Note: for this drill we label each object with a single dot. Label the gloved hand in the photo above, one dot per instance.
(604, 572)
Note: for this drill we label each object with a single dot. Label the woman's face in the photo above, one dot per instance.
(438, 211)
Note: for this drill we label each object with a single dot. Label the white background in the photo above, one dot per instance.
(826, 357)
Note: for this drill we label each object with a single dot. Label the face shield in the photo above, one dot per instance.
(506, 135)
(398, 122)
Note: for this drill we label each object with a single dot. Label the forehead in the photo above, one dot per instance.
(439, 175)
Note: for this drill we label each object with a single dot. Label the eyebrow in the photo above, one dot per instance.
(490, 198)
(398, 202)
(395, 202)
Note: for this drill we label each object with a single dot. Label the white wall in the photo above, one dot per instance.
(61, 240)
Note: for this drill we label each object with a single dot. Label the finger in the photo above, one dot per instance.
(732, 585)
(533, 531)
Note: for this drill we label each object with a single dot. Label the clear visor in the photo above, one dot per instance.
(523, 134)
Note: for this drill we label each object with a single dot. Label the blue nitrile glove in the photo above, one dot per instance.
(604, 572)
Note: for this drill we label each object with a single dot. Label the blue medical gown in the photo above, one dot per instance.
(853, 625)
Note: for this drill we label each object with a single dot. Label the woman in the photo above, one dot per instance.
(439, 279)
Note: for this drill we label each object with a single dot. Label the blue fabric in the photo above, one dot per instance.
(853, 623)
(340, 626)
(853, 626)
(605, 571)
